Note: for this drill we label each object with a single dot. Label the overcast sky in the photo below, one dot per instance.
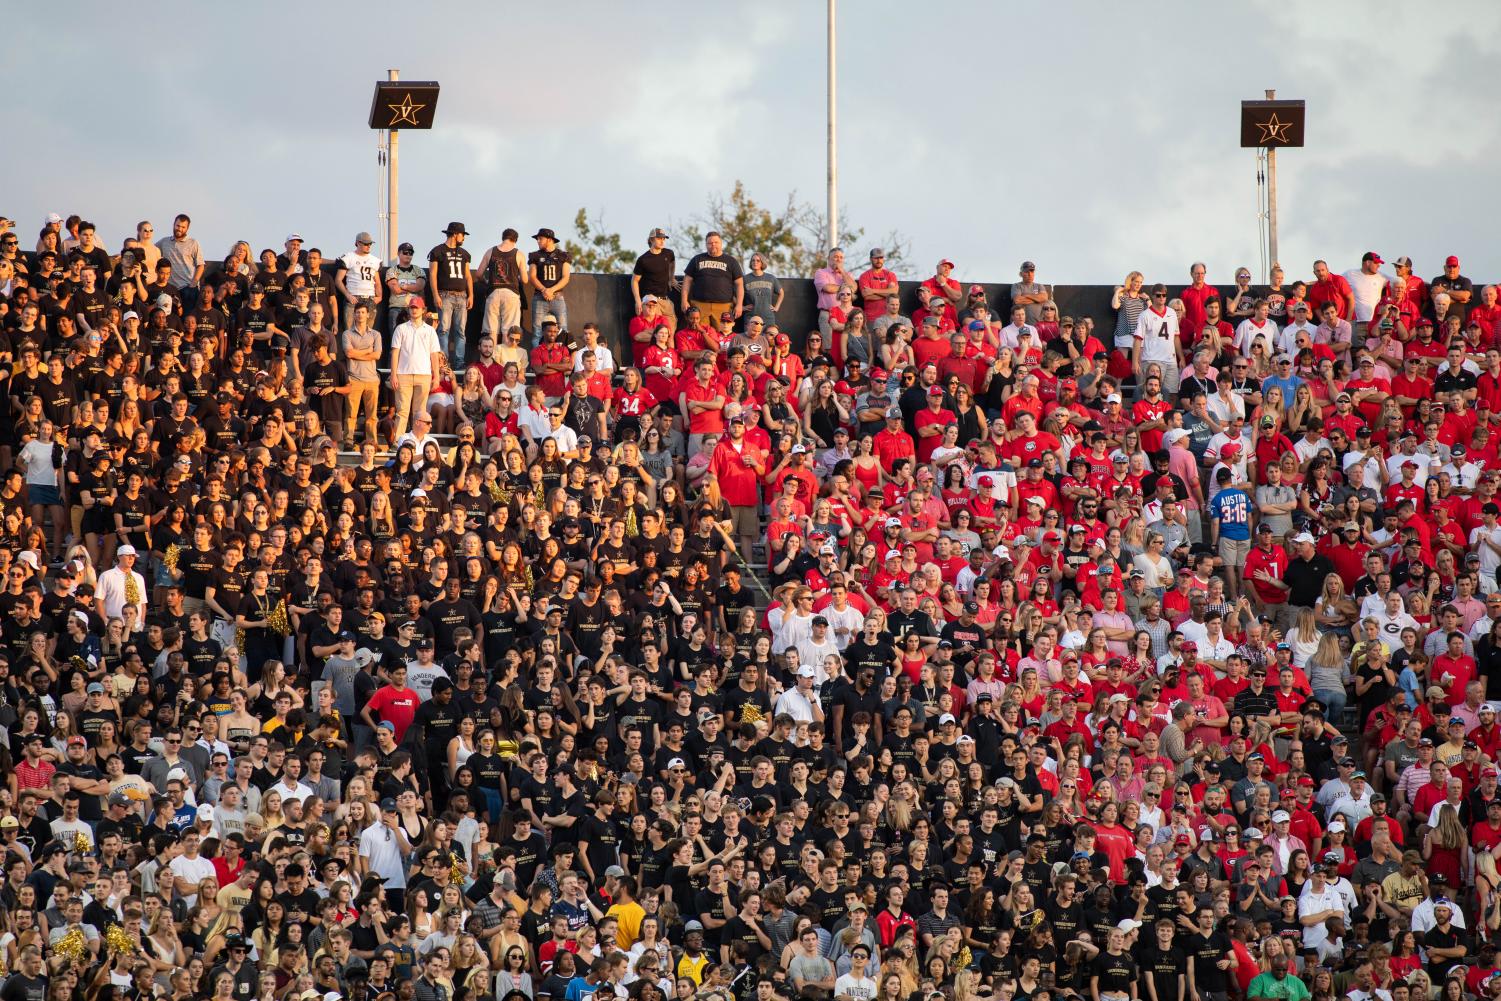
(1092, 137)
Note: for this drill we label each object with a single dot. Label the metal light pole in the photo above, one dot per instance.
(1271, 195)
(833, 140)
(391, 182)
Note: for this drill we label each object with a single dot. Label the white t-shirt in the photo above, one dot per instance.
(416, 345)
(192, 870)
(1367, 290)
(1489, 561)
(37, 458)
(859, 988)
(378, 844)
(363, 273)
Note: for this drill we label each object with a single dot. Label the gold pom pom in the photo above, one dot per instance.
(117, 941)
(72, 947)
(456, 869)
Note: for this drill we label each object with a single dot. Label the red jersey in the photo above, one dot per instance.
(634, 404)
(1146, 411)
(1276, 565)
(893, 445)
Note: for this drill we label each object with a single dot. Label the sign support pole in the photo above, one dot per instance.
(1271, 184)
(392, 176)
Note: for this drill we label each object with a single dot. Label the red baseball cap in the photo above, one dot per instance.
(1053, 536)
(977, 290)
(1230, 450)
(951, 263)
(1451, 261)
(1189, 646)
(1371, 255)
(878, 373)
(935, 391)
(1067, 384)
(783, 341)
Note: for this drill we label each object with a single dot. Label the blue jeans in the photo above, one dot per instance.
(494, 805)
(453, 318)
(542, 309)
(1334, 701)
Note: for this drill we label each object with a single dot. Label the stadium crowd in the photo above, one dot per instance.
(942, 651)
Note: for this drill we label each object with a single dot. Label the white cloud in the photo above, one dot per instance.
(1093, 137)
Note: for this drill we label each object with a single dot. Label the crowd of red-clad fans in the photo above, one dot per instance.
(931, 649)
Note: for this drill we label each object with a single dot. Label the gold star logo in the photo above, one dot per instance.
(405, 112)
(1273, 130)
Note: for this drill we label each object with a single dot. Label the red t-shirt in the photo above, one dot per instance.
(396, 706)
(926, 418)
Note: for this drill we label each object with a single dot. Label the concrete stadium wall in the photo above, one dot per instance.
(606, 300)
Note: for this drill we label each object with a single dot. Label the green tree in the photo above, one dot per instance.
(791, 238)
(596, 250)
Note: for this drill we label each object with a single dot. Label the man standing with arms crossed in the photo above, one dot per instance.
(361, 352)
(828, 282)
(415, 356)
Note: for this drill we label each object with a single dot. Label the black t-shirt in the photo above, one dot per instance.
(603, 840)
(713, 277)
(549, 265)
(438, 723)
(743, 706)
(453, 267)
(656, 271)
(316, 376)
(23, 988)
(1165, 965)
(1117, 973)
(1205, 952)
(877, 656)
(1437, 938)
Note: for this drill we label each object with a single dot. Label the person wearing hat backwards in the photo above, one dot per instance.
(357, 278)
